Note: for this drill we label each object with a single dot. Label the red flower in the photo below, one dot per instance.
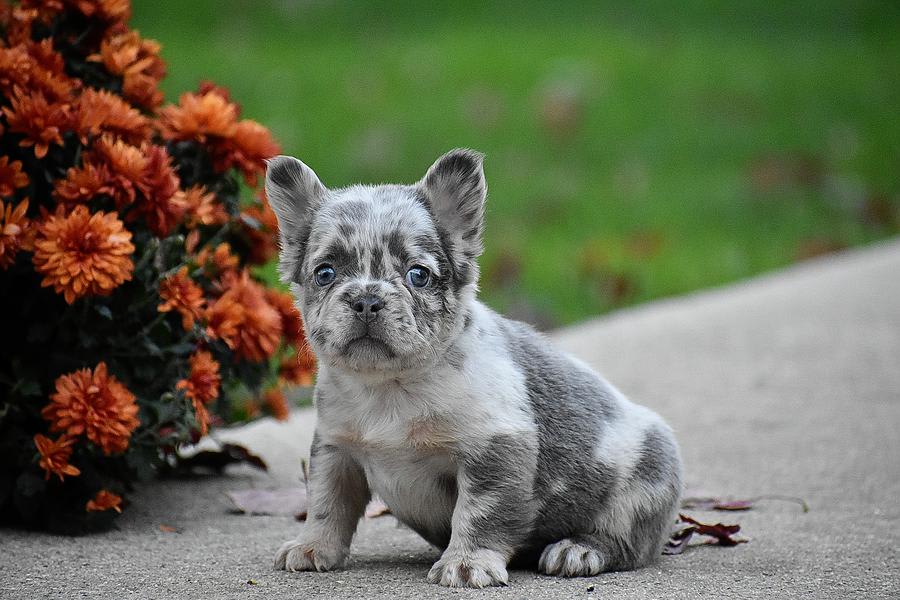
(99, 111)
(40, 121)
(95, 404)
(201, 386)
(36, 67)
(137, 61)
(82, 254)
(202, 118)
(291, 321)
(245, 321)
(260, 225)
(221, 259)
(201, 207)
(125, 163)
(104, 500)
(161, 208)
(249, 147)
(181, 293)
(15, 232)
(81, 185)
(55, 456)
(11, 176)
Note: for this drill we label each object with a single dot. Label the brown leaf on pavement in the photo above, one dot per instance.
(686, 528)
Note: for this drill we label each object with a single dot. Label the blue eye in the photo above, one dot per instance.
(418, 276)
(325, 275)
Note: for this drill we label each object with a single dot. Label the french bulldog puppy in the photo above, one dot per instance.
(472, 428)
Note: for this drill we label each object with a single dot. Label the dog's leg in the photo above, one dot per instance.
(338, 494)
(494, 512)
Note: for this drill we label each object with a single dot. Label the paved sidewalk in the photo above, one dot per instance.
(786, 384)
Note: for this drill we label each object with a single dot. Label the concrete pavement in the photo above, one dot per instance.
(786, 384)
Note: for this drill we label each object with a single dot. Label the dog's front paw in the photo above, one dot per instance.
(300, 555)
(477, 569)
(568, 558)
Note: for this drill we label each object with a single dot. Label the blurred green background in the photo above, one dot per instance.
(635, 149)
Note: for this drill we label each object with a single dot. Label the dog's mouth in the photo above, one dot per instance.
(369, 346)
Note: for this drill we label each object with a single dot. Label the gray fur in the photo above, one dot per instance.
(502, 477)
(472, 428)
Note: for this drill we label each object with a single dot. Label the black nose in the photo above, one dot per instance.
(366, 307)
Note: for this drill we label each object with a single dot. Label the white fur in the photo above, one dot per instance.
(378, 419)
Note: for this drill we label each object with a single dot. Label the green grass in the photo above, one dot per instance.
(694, 143)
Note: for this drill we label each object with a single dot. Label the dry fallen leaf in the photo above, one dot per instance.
(168, 529)
(686, 527)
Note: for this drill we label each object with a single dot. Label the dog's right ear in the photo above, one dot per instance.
(293, 190)
(294, 193)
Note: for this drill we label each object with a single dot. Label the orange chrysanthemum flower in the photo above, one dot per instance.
(201, 386)
(277, 403)
(17, 22)
(203, 382)
(291, 321)
(82, 254)
(47, 57)
(224, 318)
(15, 232)
(260, 225)
(199, 117)
(16, 66)
(100, 111)
(40, 121)
(122, 158)
(11, 176)
(181, 293)
(96, 405)
(201, 415)
(34, 66)
(126, 165)
(81, 185)
(105, 10)
(221, 259)
(299, 368)
(201, 207)
(55, 456)
(245, 321)
(137, 61)
(160, 208)
(249, 147)
(104, 500)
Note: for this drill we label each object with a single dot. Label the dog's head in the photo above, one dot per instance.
(382, 274)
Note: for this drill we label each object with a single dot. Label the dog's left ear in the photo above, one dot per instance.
(456, 190)
(295, 194)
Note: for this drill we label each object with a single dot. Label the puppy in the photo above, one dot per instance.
(475, 432)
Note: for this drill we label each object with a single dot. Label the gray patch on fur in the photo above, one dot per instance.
(573, 408)
(501, 477)
(656, 463)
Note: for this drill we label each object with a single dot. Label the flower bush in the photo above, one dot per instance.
(132, 320)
